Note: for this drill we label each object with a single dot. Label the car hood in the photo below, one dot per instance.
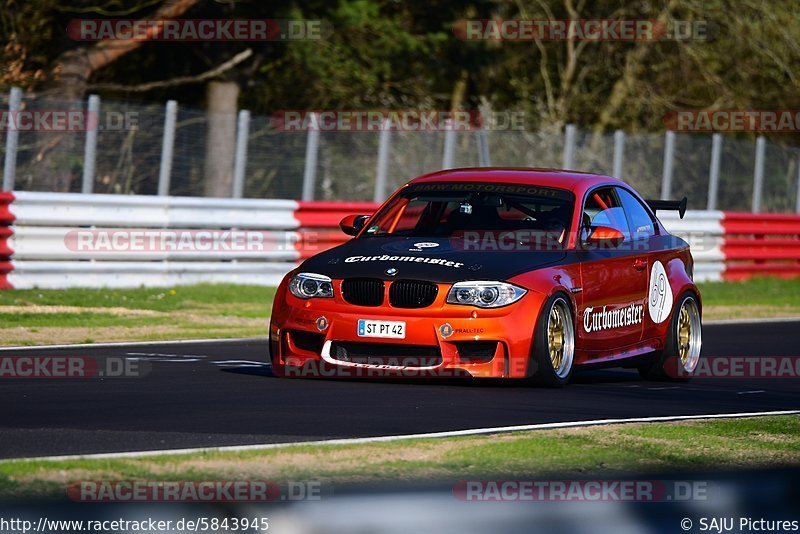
(432, 259)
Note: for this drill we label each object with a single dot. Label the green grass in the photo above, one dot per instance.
(34, 316)
(222, 299)
(755, 298)
(767, 291)
(607, 450)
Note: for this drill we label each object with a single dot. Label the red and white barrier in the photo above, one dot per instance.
(42, 241)
(319, 224)
(761, 245)
(6, 231)
(42, 238)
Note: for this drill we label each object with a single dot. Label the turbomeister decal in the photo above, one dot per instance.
(412, 259)
(659, 296)
(606, 319)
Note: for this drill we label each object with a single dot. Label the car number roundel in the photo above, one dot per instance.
(659, 297)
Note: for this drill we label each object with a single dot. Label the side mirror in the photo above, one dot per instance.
(604, 237)
(352, 224)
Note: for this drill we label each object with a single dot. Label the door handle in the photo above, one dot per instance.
(639, 264)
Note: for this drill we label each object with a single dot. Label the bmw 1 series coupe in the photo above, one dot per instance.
(494, 272)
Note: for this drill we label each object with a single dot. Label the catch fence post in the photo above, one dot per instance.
(312, 148)
(12, 138)
(240, 158)
(167, 148)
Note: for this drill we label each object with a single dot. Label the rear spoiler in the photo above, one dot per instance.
(674, 205)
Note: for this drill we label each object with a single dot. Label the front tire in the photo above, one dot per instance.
(681, 354)
(278, 369)
(554, 343)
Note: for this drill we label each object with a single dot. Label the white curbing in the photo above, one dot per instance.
(385, 439)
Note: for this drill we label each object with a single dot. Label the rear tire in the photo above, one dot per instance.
(554, 343)
(681, 354)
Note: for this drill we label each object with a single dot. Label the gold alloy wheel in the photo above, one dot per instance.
(560, 342)
(689, 336)
(684, 335)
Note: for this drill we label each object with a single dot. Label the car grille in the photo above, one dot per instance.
(412, 294)
(363, 291)
(386, 354)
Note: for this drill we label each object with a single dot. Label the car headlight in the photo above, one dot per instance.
(484, 294)
(310, 285)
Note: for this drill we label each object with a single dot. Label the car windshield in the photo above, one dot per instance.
(470, 210)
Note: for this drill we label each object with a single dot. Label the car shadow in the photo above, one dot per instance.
(260, 370)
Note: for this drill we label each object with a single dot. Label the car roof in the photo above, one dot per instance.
(574, 181)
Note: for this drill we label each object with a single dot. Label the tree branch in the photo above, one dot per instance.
(108, 51)
(183, 80)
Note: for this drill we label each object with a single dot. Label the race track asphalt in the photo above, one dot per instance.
(223, 393)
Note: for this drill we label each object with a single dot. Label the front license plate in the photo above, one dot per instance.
(386, 329)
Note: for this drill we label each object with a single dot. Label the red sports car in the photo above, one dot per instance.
(490, 272)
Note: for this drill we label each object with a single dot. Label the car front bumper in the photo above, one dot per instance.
(319, 337)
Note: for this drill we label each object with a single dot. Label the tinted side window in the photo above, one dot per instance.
(603, 208)
(642, 224)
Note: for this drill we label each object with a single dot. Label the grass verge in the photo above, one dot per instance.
(589, 451)
(33, 316)
(751, 299)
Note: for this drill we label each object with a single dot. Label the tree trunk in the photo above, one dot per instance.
(220, 138)
(57, 154)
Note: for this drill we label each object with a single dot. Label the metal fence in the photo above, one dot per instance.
(153, 149)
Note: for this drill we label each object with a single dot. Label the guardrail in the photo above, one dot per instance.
(705, 234)
(764, 244)
(57, 240)
(62, 240)
(75, 209)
